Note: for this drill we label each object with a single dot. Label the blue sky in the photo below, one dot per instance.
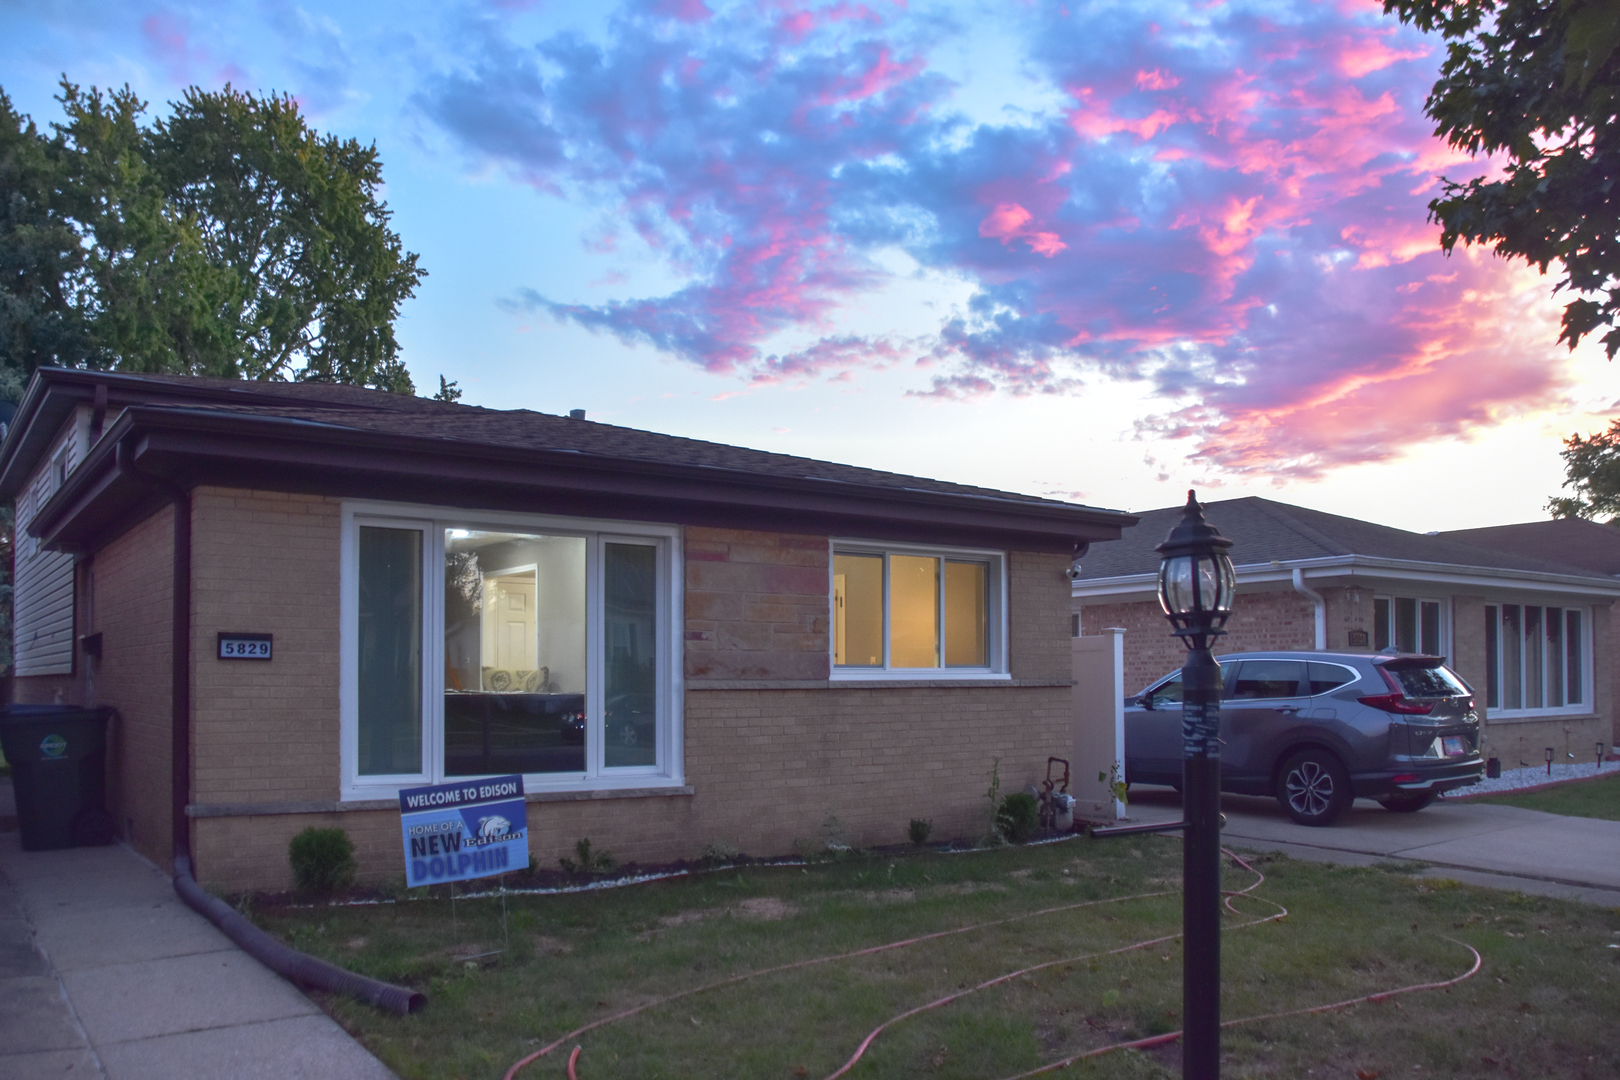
(1099, 251)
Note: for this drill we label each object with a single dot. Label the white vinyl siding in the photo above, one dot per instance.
(42, 597)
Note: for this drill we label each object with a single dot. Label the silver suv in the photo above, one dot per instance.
(1319, 729)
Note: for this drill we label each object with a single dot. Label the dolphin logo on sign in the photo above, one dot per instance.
(494, 825)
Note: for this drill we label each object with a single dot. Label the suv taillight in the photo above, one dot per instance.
(1396, 703)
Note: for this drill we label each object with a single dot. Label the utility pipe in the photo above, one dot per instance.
(289, 963)
(1321, 606)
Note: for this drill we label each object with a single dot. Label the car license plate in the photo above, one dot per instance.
(1453, 746)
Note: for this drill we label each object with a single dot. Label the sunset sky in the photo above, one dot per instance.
(1097, 251)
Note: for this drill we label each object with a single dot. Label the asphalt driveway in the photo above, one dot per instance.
(1502, 847)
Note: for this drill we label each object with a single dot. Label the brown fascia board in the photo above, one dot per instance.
(194, 447)
(53, 392)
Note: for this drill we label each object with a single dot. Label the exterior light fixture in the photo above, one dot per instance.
(1600, 755)
(1196, 585)
(1549, 760)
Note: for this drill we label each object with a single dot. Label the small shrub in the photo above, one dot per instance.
(835, 836)
(589, 861)
(1018, 817)
(322, 861)
(919, 829)
(718, 853)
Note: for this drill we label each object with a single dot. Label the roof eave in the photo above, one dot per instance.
(194, 447)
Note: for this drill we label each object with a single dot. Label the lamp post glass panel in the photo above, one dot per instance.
(1196, 583)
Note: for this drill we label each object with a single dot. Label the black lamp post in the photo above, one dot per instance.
(1196, 583)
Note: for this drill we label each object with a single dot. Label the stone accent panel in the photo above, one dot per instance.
(756, 605)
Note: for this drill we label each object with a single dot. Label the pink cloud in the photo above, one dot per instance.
(1232, 207)
(1366, 55)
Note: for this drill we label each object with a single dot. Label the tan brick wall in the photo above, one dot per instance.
(132, 606)
(1268, 620)
(265, 562)
(768, 767)
(1039, 615)
(756, 605)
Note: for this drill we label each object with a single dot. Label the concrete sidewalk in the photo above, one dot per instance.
(1500, 847)
(105, 973)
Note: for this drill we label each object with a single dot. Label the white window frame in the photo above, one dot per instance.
(995, 615)
(432, 521)
(1445, 619)
(1588, 690)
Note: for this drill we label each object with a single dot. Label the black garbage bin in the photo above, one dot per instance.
(58, 757)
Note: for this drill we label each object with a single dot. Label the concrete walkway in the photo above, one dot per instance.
(105, 973)
(1501, 847)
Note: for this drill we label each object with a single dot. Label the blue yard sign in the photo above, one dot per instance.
(468, 829)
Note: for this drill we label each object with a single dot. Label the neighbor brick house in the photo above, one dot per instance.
(676, 642)
(1531, 634)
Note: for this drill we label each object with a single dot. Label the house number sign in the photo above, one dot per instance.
(244, 646)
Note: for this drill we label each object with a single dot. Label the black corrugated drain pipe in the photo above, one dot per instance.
(288, 962)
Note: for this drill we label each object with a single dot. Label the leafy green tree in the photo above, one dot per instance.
(1538, 83)
(1592, 471)
(42, 319)
(228, 238)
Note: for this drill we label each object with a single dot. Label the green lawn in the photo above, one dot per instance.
(1598, 797)
(1544, 1002)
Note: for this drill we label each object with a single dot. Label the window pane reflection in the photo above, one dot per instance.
(390, 652)
(966, 614)
(514, 653)
(630, 574)
(858, 610)
(913, 611)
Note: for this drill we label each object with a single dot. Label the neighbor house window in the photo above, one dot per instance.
(1409, 625)
(479, 645)
(1535, 659)
(916, 611)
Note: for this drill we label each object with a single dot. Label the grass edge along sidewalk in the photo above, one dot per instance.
(1595, 796)
(1547, 990)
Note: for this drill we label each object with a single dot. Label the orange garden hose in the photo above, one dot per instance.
(1156, 1040)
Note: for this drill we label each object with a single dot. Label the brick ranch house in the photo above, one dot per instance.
(676, 642)
(1532, 635)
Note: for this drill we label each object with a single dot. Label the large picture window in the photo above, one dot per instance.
(916, 612)
(1535, 659)
(483, 645)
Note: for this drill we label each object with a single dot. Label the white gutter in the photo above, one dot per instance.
(1321, 607)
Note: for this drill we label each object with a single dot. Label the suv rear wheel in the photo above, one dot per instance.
(1314, 788)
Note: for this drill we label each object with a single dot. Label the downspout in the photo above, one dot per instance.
(1321, 607)
(295, 966)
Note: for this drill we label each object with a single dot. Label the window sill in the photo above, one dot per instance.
(1527, 717)
(848, 683)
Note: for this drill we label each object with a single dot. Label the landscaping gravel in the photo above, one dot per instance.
(1536, 776)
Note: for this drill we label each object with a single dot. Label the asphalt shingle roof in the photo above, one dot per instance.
(399, 414)
(1568, 540)
(1262, 530)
